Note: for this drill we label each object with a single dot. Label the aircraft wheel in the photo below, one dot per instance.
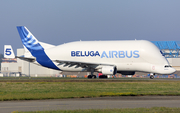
(90, 76)
(94, 76)
(151, 76)
(103, 76)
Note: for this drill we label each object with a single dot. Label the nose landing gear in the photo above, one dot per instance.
(152, 75)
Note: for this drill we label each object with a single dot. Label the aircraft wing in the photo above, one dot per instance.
(80, 64)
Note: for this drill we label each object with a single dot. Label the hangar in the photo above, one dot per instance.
(17, 67)
(171, 50)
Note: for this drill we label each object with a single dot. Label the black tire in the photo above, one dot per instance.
(89, 76)
(151, 76)
(103, 76)
(94, 76)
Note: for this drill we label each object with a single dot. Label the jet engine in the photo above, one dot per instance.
(108, 70)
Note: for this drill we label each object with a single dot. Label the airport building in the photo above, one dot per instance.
(171, 50)
(17, 67)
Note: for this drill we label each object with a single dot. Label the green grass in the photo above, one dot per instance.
(126, 110)
(59, 90)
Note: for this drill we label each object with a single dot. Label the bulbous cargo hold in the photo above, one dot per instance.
(134, 55)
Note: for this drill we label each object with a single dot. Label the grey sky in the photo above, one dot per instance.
(62, 21)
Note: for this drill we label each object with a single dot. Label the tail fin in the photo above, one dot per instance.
(35, 47)
(28, 40)
(8, 52)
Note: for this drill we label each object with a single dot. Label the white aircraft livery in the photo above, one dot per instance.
(107, 57)
(8, 52)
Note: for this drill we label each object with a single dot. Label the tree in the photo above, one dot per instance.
(1, 56)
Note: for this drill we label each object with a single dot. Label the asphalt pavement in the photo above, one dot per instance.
(90, 103)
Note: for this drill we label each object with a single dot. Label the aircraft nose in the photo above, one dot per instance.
(173, 70)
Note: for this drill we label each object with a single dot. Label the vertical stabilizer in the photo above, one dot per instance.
(28, 40)
(8, 52)
(35, 48)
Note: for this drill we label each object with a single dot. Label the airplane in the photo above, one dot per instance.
(8, 51)
(106, 57)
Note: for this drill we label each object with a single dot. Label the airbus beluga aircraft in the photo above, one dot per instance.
(106, 57)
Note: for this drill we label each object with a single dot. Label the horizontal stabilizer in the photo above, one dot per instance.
(26, 59)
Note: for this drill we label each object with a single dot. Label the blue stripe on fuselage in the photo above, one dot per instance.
(44, 60)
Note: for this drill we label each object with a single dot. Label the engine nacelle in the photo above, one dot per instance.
(108, 70)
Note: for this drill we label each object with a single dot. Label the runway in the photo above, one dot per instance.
(91, 103)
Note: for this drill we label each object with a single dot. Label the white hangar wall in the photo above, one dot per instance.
(174, 62)
(35, 70)
(6, 67)
(23, 67)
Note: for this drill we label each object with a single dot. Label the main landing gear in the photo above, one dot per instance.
(92, 76)
(152, 75)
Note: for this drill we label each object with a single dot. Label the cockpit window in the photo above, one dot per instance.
(166, 66)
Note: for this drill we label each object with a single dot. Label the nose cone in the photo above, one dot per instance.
(172, 70)
(169, 70)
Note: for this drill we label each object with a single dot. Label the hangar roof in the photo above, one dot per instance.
(170, 49)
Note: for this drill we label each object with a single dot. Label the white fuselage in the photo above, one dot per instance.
(134, 55)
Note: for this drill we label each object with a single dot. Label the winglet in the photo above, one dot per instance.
(8, 52)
